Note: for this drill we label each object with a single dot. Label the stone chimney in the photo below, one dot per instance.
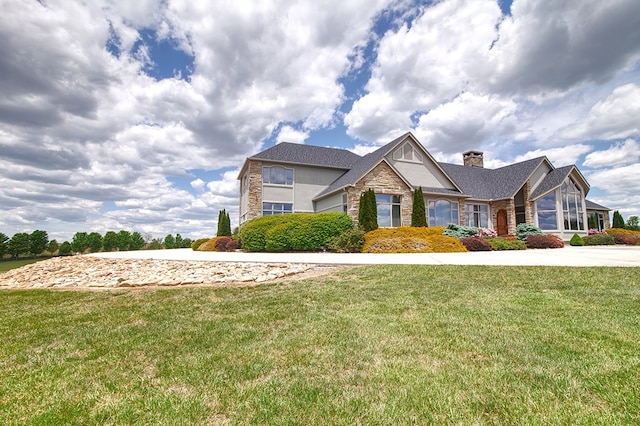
(473, 159)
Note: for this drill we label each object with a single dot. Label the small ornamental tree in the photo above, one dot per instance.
(368, 211)
(618, 221)
(418, 212)
(224, 224)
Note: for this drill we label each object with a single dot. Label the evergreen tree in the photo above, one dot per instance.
(110, 241)
(169, 242)
(418, 212)
(618, 221)
(79, 242)
(94, 241)
(224, 224)
(593, 224)
(3, 244)
(368, 211)
(137, 242)
(124, 240)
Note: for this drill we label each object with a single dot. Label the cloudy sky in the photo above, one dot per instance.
(137, 115)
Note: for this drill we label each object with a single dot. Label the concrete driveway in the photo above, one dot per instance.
(627, 256)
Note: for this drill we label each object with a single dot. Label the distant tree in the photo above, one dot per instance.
(53, 246)
(3, 245)
(137, 242)
(178, 241)
(618, 221)
(368, 211)
(154, 244)
(39, 240)
(65, 249)
(94, 242)
(79, 242)
(169, 242)
(418, 212)
(186, 243)
(224, 224)
(19, 244)
(110, 241)
(633, 223)
(124, 240)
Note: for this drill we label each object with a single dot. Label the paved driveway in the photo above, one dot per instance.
(628, 256)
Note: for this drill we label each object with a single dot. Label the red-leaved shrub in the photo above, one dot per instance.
(476, 244)
(221, 243)
(629, 240)
(544, 241)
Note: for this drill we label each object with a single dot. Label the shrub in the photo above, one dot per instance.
(576, 240)
(410, 240)
(295, 232)
(221, 243)
(544, 241)
(506, 243)
(460, 231)
(621, 231)
(418, 212)
(350, 241)
(598, 240)
(368, 211)
(523, 230)
(476, 244)
(198, 242)
(630, 240)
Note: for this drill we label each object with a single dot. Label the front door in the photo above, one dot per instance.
(501, 222)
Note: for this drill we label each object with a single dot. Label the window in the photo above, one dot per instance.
(572, 206)
(276, 208)
(345, 205)
(546, 208)
(476, 215)
(243, 184)
(407, 153)
(388, 210)
(277, 175)
(443, 212)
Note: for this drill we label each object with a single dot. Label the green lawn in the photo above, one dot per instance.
(372, 345)
(6, 265)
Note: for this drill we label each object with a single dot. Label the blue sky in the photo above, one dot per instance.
(138, 115)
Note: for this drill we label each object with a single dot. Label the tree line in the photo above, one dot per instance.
(37, 242)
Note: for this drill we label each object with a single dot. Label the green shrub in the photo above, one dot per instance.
(350, 241)
(460, 231)
(418, 210)
(506, 244)
(599, 240)
(523, 230)
(198, 242)
(476, 244)
(576, 240)
(544, 241)
(368, 211)
(293, 232)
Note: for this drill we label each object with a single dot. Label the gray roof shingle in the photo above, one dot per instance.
(551, 181)
(594, 206)
(294, 153)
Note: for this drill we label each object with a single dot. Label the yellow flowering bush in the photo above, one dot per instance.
(411, 240)
(621, 231)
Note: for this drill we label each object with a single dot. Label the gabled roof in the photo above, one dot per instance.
(295, 153)
(492, 184)
(594, 206)
(555, 178)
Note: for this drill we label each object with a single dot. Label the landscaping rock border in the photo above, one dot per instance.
(93, 272)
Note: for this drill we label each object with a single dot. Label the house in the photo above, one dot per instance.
(290, 178)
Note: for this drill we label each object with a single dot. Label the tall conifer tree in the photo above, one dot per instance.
(418, 212)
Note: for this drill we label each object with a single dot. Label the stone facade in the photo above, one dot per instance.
(254, 204)
(384, 181)
(510, 208)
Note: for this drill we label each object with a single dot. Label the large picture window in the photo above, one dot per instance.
(277, 175)
(547, 213)
(388, 210)
(443, 212)
(572, 206)
(476, 215)
(276, 208)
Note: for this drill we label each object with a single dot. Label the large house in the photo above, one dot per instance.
(291, 178)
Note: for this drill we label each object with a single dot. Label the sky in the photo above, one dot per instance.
(139, 115)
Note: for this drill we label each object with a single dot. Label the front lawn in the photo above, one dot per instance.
(370, 345)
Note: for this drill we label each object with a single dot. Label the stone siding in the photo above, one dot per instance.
(509, 207)
(254, 205)
(383, 180)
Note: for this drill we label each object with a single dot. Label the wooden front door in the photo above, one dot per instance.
(501, 222)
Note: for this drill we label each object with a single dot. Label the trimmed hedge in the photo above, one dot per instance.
(576, 240)
(476, 244)
(599, 240)
(410, 240)
(512, 243)
(293, 232)
(544, 242)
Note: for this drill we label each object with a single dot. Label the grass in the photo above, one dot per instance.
(7, 265)
(371, 345)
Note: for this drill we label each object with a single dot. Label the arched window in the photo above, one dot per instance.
(443, 212)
